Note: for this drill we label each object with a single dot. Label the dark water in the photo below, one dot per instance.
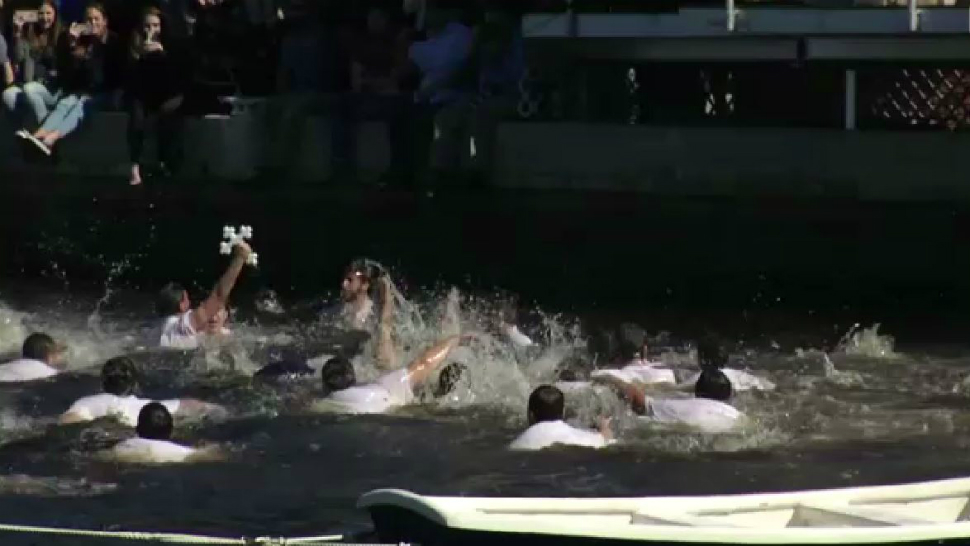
(771, 276)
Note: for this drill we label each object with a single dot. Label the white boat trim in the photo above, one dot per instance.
(927, 511)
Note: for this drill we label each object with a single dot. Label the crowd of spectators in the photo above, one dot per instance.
(440, 73)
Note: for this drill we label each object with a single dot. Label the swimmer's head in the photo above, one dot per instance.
(546, 403)
(40, 346)
(119, 376)
(713, 384)
(358, 279)
(154, 422)
(449, 377)
(338, 374)
(172, 300)
(710, 354)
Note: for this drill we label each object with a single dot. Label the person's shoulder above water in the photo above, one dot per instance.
(143, 450)
(546, 410)
(25, 369)
(123, 408)
(701, 413)
(550, 433)
(741, 380)
(40, 358)
(154, 445)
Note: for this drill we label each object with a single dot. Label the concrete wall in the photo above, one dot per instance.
(671, 161)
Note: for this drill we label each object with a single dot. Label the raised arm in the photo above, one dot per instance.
(386, 351)
(219, 297)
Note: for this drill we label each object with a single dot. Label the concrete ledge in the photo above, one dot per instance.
(736, 161)
(723, 162)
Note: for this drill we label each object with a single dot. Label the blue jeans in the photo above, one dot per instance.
(69, 112)
(33, 95)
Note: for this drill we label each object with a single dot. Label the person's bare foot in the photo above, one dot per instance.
(50, 138)
(40, 134)
(135, 179)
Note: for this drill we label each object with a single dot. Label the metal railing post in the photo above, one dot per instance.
(732, 14)
(913, 15)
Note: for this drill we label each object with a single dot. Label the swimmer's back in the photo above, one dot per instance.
(25, 369)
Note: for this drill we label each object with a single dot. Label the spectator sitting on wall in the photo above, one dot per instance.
(441, 93)
(155, 89)
(89, 74)
(378, 60)
(34, 54)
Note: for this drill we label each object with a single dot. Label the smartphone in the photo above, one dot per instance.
(25, 15)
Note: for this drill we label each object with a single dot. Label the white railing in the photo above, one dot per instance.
(731, 12)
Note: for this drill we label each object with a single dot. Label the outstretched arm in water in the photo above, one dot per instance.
(219, 296)
(421, 368)
(633, 393)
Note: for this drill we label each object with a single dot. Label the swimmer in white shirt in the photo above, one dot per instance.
(40, 358)
(707, 412)
(710, 355)
(389, 391)
(119, 379)
(640, 370)
(154, 445)
(182, 324)
(548, 428)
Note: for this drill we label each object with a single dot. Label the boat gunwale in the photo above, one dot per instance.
(485, 514)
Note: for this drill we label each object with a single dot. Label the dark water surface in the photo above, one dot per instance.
(772, 276)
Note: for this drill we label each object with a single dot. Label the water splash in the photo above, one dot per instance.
(867, 342)
(12, 330)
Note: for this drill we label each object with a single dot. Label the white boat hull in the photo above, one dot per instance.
(922, 513)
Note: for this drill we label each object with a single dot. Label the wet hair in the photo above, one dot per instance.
(154, 422)
(338, 374)
(39, 346)
(119, 376)
(710, 354)
(169, 299)
(282, 370)
(713, 384)
(449, 377)
(546, 403)
(366, 268)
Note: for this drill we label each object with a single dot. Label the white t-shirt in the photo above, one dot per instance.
(703, 414)
(740, 380)
(647, 374)
(25, 369)
(179, 333)
(549, 433)
(142, 450)
(389, 391)
(123, 408)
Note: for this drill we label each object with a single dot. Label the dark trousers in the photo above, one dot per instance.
(396, 110)
(169, 127)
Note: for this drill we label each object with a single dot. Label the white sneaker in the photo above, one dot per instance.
(40, 145)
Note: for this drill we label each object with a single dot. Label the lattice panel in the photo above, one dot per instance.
(934, 97)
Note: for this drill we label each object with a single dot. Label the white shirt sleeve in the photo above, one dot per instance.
(179, 333)
(398, 384)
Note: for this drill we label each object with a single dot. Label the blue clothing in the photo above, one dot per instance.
(440, 58)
